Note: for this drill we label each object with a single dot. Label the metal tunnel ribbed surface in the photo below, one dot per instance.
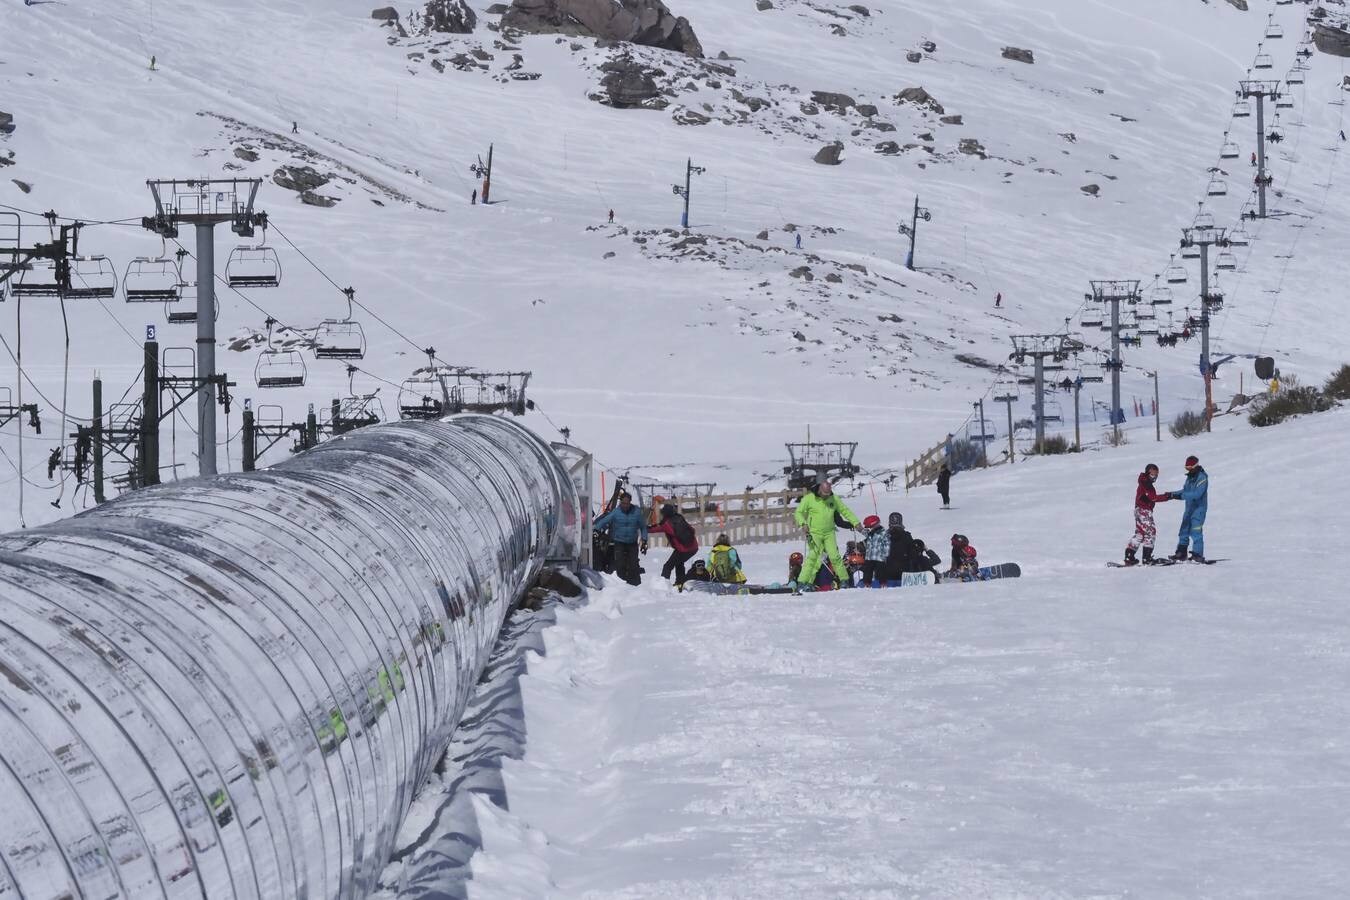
(231, 687)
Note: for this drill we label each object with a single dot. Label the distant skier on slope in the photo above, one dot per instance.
(815, 515)
(1145, 531)
(1196, 494)
(998, 300)
(799, 241)
(965, 563)
(944, 486)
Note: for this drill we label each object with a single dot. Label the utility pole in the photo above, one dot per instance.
(1009, 400)
(1112, 293)
(1260, 91)
(912, 229)
(690, 170)
(484, 172)
(204, 204)
(149, 436)
(1202, 239)
(97, 424)
(984, 437)
(1157, 408)
(1039, 348)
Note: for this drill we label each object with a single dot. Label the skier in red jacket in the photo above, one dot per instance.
(1145, 532)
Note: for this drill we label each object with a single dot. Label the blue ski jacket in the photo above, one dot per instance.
(1196, 494)
(624, 527)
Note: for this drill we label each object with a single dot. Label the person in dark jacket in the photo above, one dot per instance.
(1145, 531)
(944, 486)
(683, 543)
(627, 529)
(1196, 494)
(900, 556)
(926, 560)
(698, 571)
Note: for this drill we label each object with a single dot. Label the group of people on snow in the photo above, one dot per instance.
(1195, 492)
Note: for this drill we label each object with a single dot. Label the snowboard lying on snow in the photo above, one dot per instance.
(909, 579)
(990, 573)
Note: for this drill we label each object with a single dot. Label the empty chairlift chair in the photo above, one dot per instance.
(1263, 62)
(1242, 109)
(1229, 150)
(1175, 273)
(1274, 30)
(37, 278)
(1226, 261)
(1284, 101)
(1239, 237)
(1217, 187)
(1295, 76)
(151, 280)
(92, 278)
(253, 267)
(340, 338)
(279, 368)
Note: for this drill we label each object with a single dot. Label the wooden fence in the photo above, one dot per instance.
(748, 518)
(924, 470)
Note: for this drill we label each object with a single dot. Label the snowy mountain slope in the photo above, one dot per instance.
(1079, 732)
(648, 358)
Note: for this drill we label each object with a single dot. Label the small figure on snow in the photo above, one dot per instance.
(725, 563)
(1253, 157)
(683, 542)
(627, 529)
(799, 240)
(611, 217)
(926, 560)
(816, 517)
(152, 64)
(698, 571)
(1342, 134)
(998, 300)
(876, 550)
(1145, 531)
(295, 127)
(1196, 494)
(900, 557)
(965, 564)
(944, 486)
(473, 198)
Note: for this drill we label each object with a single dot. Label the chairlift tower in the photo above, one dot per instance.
(1113, 293)
(912, 229)
(1009, 399)
(985, 437)
(484, 171)
(1203, 239)
(690, 170)
(205, 203)
(811, 460)
(1260, 91)
(1039, 347)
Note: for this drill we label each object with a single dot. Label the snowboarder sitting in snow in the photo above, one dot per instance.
(724, 562)
(876, 549)
(815, 515)
(900, 556)
(683, 542)
(1196, 494)
(1145, 531)
(926, 560)
(698, 571)
(965, 565)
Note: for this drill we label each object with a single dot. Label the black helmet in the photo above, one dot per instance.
(895, 519)
(960, 540)
(668, 510)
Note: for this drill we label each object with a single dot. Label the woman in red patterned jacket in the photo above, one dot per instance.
(1145, 532)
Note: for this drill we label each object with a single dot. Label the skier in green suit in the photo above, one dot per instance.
(816, 516)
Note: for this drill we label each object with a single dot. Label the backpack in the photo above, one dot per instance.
(683, 531)
(721, 566)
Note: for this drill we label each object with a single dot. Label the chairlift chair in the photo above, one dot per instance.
(1203, 219)
(340, 338)
(37, 278)
(1226, 261)
(1091, 323)
(1217, 188)
(254, 267)
(1229, 150)
(151, 279)
(1274, 31)
(1239, 237)
(1160, 296)
(1263, 61)
(279, 368)
(1295, 76)
(92, 278)
(419, 398)
(1284, 101)
(1242, 109)
(183, 309)
(1190, 252)
(1175, 274)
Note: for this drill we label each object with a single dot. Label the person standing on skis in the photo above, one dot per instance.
(1196, 494)
(815, 515)
(1145, 531)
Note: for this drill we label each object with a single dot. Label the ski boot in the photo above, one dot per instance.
(1180, 555)
(1130, 559)
(1198, 558)
(1148, 556)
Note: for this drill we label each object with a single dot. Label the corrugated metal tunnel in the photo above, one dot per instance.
(231, 687)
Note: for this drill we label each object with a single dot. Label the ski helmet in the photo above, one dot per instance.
(896, 519)
(794, 558)
(668, 510)
(871, 521)
(1192, 462)
(960, 540)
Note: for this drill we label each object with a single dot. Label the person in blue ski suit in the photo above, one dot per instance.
(1196, 494)
(627, 527)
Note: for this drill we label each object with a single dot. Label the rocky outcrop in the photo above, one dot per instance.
(1239, 4)
(627, 84)
(6, 122)
(1017, 54)
(921, 98)
(972, 147)
(1091, 190)
(839, 103)
(299, 178)
(830, 154)
(645, 22)
(1332, 41)
(449, 17)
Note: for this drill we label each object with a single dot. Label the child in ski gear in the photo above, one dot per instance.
(965, 565)
(794, 567)
(855, 559)
(900, 556)
(1145, 531)
(627, 528)
(926, 560)
(698, 571)
(815, 514)
(876, 550)
(683, 542)
(1196, 494)
(724, 562)
(944, 486)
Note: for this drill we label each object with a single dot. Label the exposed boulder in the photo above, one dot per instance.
(887, 148)
(299, 178)
(628, 84)
(1091, 190)
(839, 103)
(972, 147)
(1332, 41)
(952, 120)
(646, 22)
(384, 14)
(309, 198)
(247, 154)
(763, 5)
(1240, 4)
(914, 56)
(921, 98)
(6, 122)
(861, 10)
(690, 117)
(449, 16)
(867, 109)
(22, 185)
(830, 154)
(1017, 54)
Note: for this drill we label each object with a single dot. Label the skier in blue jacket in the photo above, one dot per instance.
(1196, 494)
(627, 527)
